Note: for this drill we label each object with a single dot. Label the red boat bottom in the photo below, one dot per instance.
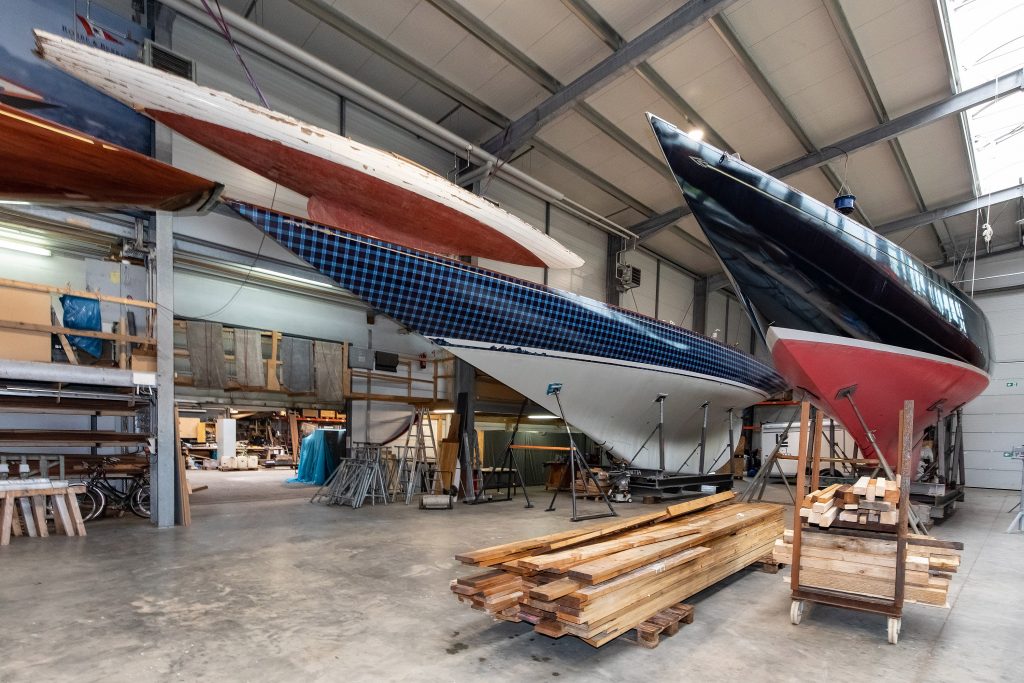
(883, 376)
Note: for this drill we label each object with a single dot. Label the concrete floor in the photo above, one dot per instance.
(278, 589)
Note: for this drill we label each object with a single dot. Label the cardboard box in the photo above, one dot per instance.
(307, 412)
(22, 306)
(329, 414)
(192, 428)
(143, 361)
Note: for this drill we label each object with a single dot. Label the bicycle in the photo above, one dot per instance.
(100, 492)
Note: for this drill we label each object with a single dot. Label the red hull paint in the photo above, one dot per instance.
(352, 200)
(825, 364)
(47, 163)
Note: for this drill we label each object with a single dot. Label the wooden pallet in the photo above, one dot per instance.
(665, 623)
(769, 565)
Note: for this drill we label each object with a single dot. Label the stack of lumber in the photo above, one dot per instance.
(585, 485)
(598, 582)
(870, 503)
(867, 566)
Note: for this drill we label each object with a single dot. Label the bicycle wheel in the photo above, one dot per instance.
(92, 504)
(140, 501)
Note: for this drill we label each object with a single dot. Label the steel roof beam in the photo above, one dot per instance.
(495, 41)
(942, 213)
(954, 104)
(931, 113)
(593, 20)
(732, 41)
(330, 16)
(676, 24)
(867, 84)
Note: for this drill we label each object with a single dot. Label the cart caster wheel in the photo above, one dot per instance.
(895, 623)
(796, 611)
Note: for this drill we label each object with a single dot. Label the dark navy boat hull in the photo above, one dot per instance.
(803, 265)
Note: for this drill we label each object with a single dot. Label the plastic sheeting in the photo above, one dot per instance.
(83, 314)
(316, 462)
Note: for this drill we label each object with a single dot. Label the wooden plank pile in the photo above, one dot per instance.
(601, 581)
(867, 566)
(869, 503)
(585, 485)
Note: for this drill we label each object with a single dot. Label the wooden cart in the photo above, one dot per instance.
(892, 609)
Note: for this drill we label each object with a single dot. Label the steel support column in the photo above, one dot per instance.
(465, 386)
(163, 484)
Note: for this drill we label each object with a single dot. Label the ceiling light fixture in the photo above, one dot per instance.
(293, 278)
(696, 134)
(542, 417)
(25, 248)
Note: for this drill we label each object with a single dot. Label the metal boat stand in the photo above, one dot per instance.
(662, 483)
(576, 461)
(1017, 525)
(760, 481)
(659, 429)
(701, 445)
(847, 393)
(729, 448)
(508, 469)
(942, 485)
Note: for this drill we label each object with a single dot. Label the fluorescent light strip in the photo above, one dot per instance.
(293, 278)
(25, 248)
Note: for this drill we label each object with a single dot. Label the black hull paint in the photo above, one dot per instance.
(799, 264)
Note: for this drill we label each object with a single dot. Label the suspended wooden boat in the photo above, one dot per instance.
(20, 96)
(612, 363)
(46, 163)
(850, 317)
(364, 189)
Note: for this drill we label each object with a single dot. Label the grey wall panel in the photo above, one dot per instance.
(675, 297)
(994, 422)
(591, 244)
(991, 479)
(211, 298)
(716, 317)
(217, 67)
(365, 126)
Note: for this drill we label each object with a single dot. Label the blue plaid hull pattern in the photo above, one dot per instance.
(443, 299)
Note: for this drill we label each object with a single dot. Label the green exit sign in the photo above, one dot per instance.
(1011, 384)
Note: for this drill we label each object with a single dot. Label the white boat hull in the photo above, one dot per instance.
(613, 403)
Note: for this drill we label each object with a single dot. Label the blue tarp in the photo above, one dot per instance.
(315, 461)
(83, 314)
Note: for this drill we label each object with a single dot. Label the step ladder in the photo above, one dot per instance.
(417, 465)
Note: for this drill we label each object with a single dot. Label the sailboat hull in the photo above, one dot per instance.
(46, 163)
(360, 187)
(880, 376)
(838, 304)
(612, 363)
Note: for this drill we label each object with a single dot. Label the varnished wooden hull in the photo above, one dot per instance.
(45, 163)
(350, 185)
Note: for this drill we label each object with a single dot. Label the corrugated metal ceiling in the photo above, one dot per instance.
(834, 68)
